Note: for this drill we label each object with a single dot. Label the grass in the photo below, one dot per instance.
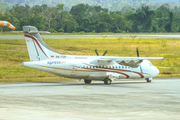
(14, 52)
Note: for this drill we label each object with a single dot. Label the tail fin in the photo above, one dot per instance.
(37, 48)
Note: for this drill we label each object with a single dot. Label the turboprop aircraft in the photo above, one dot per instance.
(98, 68)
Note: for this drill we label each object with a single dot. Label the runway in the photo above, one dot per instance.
(92, 36)
(73, 100)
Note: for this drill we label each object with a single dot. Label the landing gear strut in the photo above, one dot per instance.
(148, 80)
(87, 81)
(107, 81)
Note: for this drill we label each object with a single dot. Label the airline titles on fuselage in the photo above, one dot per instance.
(55, 62)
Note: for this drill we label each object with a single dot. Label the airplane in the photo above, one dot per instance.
(89, 68)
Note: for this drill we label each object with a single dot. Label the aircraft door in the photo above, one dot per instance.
(73, 72)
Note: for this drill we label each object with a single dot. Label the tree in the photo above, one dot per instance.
(50, 13)
(143, 20)
(79, 11)
(70, 24)
(169, 26)
(101, 27)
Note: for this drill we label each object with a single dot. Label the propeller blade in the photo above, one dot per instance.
(104, 53)
(137, 52)
(96, 52)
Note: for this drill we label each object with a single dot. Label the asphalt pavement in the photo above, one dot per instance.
(73, 100)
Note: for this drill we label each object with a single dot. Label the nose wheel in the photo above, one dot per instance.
(107, 81)
(148, 80)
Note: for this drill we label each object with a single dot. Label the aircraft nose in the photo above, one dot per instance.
(156, 71)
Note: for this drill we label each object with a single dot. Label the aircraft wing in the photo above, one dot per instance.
(127, 61)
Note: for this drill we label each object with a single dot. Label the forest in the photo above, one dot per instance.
(86, 18)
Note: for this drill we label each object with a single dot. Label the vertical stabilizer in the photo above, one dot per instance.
(37, 48)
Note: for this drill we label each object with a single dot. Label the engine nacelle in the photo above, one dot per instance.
(118, 76)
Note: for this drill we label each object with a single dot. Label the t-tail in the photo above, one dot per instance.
(37, 48)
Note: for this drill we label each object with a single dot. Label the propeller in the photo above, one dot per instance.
(104, 53)
(137, 50)
(98, 53)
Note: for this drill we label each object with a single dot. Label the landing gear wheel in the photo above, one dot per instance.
(148, 80)
(87, 81)
(107, 81)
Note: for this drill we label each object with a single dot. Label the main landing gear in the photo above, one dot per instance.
(148, 80)
(107, 81)
(87, 81)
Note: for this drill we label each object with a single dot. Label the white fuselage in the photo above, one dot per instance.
(103, 68)
(82, 68)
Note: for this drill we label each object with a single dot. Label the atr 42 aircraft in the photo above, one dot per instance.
(98, 68)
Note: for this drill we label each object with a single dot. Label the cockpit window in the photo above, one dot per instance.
(150, 64)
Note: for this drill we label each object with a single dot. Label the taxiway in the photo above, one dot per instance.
(73, 100)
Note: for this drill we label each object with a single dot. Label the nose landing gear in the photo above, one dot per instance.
(148, 80)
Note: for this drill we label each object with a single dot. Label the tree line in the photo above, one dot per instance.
(86, 18)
